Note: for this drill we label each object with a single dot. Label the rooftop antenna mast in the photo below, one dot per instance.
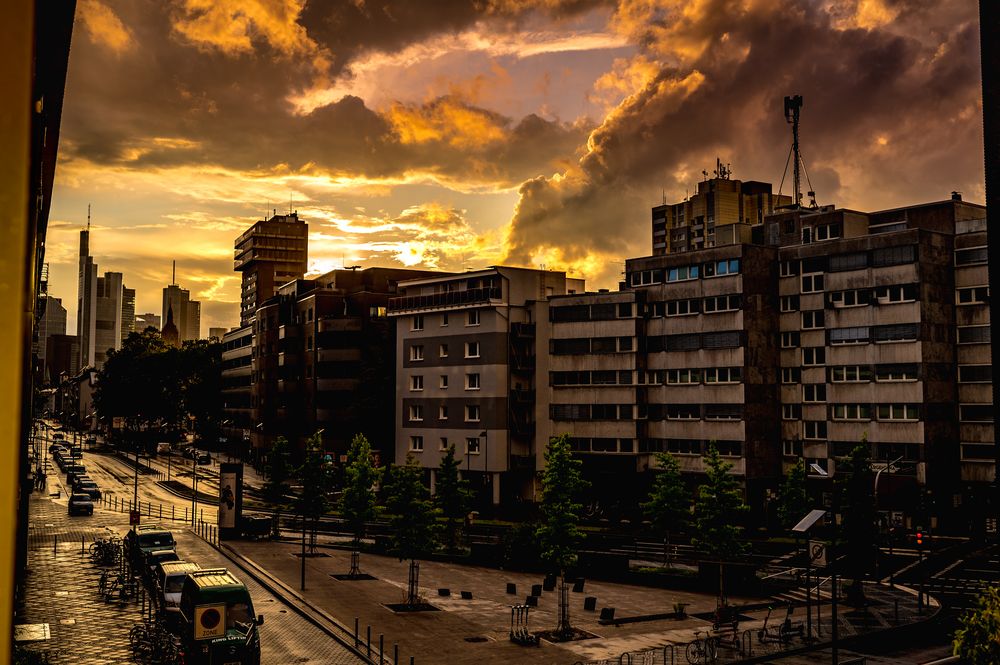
(173, 273)
(792, 107)
(88, 217)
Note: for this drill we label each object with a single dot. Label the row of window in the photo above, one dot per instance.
(882, 295)
(599, 312)
(601, 445)
(584, 412)
(471, 444)
(694, 341)
(683, 273)
(711, 305)
(417, 351)
(472, 413)
(905, 332)
(876, 258)
(706, 375)
(472, 382)
(472, 318)
(690, 446)
(584, 345)
(886, 412)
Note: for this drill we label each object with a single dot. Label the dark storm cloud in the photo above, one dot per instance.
(891, 115)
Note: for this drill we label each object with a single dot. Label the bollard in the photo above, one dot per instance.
(411, 660)
(895, 608)
(81, 546)
(161, 511)
(55, 543)
(381, 647)
(395, 654)
(369, 642)
(185, 514)
(172, 512)
(355, 632)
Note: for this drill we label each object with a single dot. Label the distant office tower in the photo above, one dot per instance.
(187, 312)
(215, 334)
(171, 336)
(62, 356)
(147, 320)
(108, 324)
(51, 322)
(270, 253)
(86, 300)
(128, 312)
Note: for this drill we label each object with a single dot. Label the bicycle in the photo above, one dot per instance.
(152, 643)
(701, 650)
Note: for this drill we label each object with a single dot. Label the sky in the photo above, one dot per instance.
(459, 134)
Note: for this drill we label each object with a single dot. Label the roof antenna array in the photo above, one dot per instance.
(792, 107)
(88, 217)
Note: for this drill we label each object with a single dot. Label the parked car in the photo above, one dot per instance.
(156, 557)
(147, 538)
(89, 488)
(53, 447)
(204, 458)
(170, 577)
(190, 452)
(163, 448)
(78, 480)
(217, 620)
(57, 436)
(80, 504)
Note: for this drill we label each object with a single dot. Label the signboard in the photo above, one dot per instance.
(230, 498)
(133, 518)
(884, 466)
(117, 422)
(209, 621)
(817, 554)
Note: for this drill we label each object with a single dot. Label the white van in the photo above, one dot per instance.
(162, 448)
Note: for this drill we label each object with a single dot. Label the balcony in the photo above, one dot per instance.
(448, 299)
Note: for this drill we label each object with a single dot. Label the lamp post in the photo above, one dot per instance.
(194, 488)
(890, 467)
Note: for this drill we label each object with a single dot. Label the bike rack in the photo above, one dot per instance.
(672, 650)
(625, 658)
(746, 644)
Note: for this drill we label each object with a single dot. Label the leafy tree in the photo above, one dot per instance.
(669, 505)
(357, 503)
(856, 490)
(718, 512)
(977, 640)
(278, 471)
(200, 373)
(412, 519)
(793, 498)
(452, 497)
(313, 501)
(559, 534)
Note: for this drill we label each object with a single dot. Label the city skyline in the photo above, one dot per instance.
(509, 136)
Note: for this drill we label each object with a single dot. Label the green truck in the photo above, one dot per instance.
(218, 625)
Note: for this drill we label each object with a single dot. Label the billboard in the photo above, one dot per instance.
(230, 497)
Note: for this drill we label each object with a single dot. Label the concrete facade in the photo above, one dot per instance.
(270, 253)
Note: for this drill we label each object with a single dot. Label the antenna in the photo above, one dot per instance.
(88, 217)
(792, 107)
(173, 274)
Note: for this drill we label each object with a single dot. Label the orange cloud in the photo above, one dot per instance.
(104, 26)
(448, 121)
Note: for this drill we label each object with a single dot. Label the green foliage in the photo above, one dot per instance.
(278, 470)
(357, 503)
(414, 529)
(855, 487)
(669, 505)
(520, 546)
(452, 495)
(793, 500)
(559, 534)
(316, 479)
(977, 640)
(719, 509)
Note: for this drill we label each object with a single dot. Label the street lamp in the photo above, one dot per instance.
(890, 467)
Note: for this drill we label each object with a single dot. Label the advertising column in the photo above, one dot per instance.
(230, 499)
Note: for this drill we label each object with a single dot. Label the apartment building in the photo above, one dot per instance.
(236, 361)
(465, 374)
(270, 253)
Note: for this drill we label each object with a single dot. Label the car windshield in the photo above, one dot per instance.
(239, 616)
(175, 583)
(81, 497)
(155, 539)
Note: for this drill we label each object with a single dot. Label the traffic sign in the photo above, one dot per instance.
(133, 517)
(817, 554)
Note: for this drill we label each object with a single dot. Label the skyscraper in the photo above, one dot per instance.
(100, 323)
(187, 312)
(108, 324)
(147, 320)
(51, 322)
(128, 312)
(270, 253)
(86, 300)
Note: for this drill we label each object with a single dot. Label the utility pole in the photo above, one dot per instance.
(792, 107)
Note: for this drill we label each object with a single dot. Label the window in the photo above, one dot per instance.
(624, 310)
(416, 443)
(472, 413)
(443, 412)
(814, 392)
(416, 412)
(842, 262)
(682, 273)
(570, 347)
(443, 382)
(898, 412)
(417, 352)
(791, 447)
(417, 382)
(720, 268)
(850, 374)
(443, 351)
(682, 342)
(788, 268)
(974, 335)
(791, 374)
(723, 411)
(852, 298)
(472, 381)
(472, 446)
(906, 332)
(720, 340)
(444, 323)
(894, 256)
(473, 318)
(975, 413)
(682, 307)
(971, 256)
(813, 355)
(788, 303)
(790, 340)
(417, 322)
(975, 295)
(814, 429)
(443, 444)
(975, 373)
(682, 376)
(812, 319)
(791, 411)
(683, 411)
(812, 283)
(886, 295)
(895, 373)
(729, 303)
(851, 412)
(472, 349)
(625, 344)
(860, 335)
(569, 412)
(723, 374)
(827, 232)
(983, 452)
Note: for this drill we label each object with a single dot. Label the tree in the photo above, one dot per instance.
(357, 503)
(669, 505)
(793, 498)
(452, 495)
(199, 369)
(559, 534)
(718, 511)
(412, 519)
(977, 640)
(313, 501)
(860, 530)
(278, 471)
